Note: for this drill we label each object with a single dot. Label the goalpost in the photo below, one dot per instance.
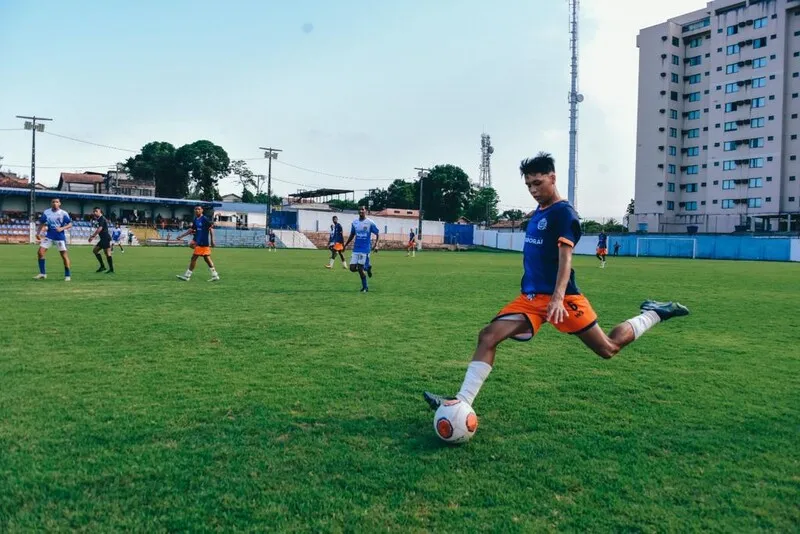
(666, 247)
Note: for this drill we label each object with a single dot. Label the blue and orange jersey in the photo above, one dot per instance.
(602, 241)
(201, 226)
(337, 235)
(411, 236)
(549, 228)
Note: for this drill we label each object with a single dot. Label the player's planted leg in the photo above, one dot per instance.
(625, 333)
(42, 272)
(483, 359)
(67, 265)
(188, 274)
(214, 274)
(110, 262)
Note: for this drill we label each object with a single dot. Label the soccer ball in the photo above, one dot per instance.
(455, 421)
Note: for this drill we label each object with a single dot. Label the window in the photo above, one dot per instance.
(670, 204)
(733, 68)
(757, 142)
(693, 151)
(673, 151)
(729, 165)
(671, 187)
(731, 106)
(761, 42)
(731, 126)
(757, 122)
(756, 163)
(759, 82)
(754, 183)
(731, 88)
(759, 62)
(760, 23)
(732, 30)
(759, 102)
(732, 49)
(729, 145)
(676, 60)
(727, 184)
(673, 132)
(693, 169)
(691, 206)
(673, 95)
(754, 202)
(694, 132)
(693, 115)
(702, 23)
(673, 114)
(675, 78)
(727, 203)
(691, 188)
(696, 60)
(694, 78)
(694, 43)
(671, 168)
(676, 41)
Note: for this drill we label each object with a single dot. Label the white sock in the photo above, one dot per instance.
(330, 263)
(644, 322)
(214, 272)
(477, 372)
(188, 273)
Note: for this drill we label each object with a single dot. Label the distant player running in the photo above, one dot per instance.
(203, 241)
(336, 244)
(56, 221)
(411, 249)
(602, 249)
(549, 293)
(271, 241)
(362, 230)
(105, 241)
(116, 238)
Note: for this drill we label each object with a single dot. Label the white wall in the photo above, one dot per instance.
(320, 221)
(516, 241)
(794, 251)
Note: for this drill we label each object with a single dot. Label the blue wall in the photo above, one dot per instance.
(717, 247)
(459, 234)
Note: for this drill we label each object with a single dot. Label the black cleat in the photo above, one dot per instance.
(434, 401)
(110, 271)
(364, 290)
(100, 269)
(665, 310)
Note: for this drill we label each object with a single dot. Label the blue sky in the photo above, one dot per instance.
(372, 91)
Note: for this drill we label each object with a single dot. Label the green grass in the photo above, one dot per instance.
(282, 399)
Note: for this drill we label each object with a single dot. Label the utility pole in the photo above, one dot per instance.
(422, 173)
(270, 154)
(31, 124)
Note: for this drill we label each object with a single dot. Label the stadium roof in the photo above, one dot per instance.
(320, 193)
(49, 193)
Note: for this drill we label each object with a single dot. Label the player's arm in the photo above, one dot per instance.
(556, 312)
(352, 236)
(211, 235)
(377, 238)
(97, 231)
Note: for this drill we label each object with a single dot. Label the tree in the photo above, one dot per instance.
(343, 205)
(204, 163)
(156, 163)
(512, 215)
(446, 193)
(483, 205)
(261, 198)
(244, 176)
(631, 207)
(589, 226)
(247, 196)
(375, 200)
(402, 195)
(613, 227)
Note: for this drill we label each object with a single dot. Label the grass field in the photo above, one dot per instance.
(283, 399)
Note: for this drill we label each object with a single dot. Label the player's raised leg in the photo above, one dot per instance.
(625, 333)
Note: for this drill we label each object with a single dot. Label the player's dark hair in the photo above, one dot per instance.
(96, 208)
(543, 163)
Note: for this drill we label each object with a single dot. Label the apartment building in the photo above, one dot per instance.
(717, 126)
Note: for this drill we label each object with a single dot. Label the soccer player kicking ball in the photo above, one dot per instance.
(602, 249)
(105, 242)
(203, 229)
(56, 221)
(549, 293)
(362, 230)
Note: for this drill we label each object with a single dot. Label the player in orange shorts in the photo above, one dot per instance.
(336, 243)
(202, 243)
(549, 293)
(602, 249)
(411, 249)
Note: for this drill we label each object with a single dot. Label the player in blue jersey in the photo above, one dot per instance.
(203, 241)
(116, 238)
(54, 221)
(549, 292)
(105, 241)
(411, 249)
(336, 243)
(362, 230)
(602, 249)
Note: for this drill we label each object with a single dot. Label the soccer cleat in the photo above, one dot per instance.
(214, 279)
(434, 401)
(181, 277)
(328, 266)
(40, 277)
(110, 271)
(67, 278)
(364, 290)
(100, 269)
(665, 310)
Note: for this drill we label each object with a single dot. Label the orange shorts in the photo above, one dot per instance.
(581, 317)
(602, 251)
(201, 251)
(338, 247)
(411, 244)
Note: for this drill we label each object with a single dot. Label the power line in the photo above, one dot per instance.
(372, 179)
(91, 143)
(12, 129)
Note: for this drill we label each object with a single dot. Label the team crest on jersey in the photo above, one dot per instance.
(542, 224)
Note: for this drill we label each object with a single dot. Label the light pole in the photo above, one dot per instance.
(422, 173)
(31, 124)
(270, 154)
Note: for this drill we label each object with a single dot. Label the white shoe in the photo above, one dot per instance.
(182, 277)
(40, 276)
(67, 278)
(328, 266)
(214, 279)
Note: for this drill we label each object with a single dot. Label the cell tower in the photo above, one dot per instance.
(486, 165)
(575, 98)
